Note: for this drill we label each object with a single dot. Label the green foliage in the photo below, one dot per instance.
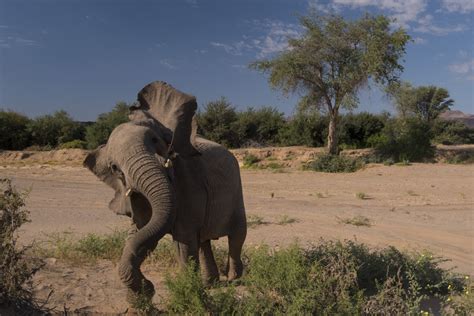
(333, 59)
(424, 102)
(258, 127)
(404, 140)
(52, 130)
(16, 269)
(88, 248)
(308, 129)
(98, 133)
(250, 160)
(461, 158)
(356, 129)
(14, 133)
(77, 143)
(334, 163)
(331, 278)
(187, 294)
(216, 122)
(452, 133)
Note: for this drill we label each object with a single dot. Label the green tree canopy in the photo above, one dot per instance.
(98, 133)
(259, 126)
(216, 121)
(424, 102)
(14, 133)
(333, 59)
(51, 130)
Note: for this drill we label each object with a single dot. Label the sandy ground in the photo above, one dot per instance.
(421, 206)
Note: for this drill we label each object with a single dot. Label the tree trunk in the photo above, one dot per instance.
(333, 147)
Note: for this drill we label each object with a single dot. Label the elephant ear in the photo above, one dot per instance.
(175, 110)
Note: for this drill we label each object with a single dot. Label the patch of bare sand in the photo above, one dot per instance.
(422, 206)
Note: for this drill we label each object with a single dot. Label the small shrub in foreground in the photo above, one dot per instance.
(16, 270)
(335, 164)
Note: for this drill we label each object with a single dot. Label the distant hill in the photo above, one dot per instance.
(467, 119)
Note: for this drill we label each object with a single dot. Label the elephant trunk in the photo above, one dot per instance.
(149, 178)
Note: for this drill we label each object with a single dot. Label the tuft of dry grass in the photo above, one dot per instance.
(358, 221)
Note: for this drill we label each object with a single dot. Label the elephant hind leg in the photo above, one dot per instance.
(209, 271)
(236, 241)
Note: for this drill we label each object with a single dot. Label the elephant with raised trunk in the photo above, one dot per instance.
(171, 181)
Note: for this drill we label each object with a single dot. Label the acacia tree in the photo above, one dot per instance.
(424, 102)
(333, 59)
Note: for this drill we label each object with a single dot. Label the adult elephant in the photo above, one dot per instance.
(169, 180)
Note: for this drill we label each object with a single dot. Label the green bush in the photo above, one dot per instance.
(335, 163)
(250, 160)
(305, 130)
(77, 143)
(52, 130)
(258, 127)
(331, 278)
(404, 140)
(98, 133)
(452, 133)
(16, 269)
(356, 129)
(14, 133)
(216, 123)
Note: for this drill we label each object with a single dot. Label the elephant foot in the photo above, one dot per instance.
(235, 271)
(209, 280)
(143, 296)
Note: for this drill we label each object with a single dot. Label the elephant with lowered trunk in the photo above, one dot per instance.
(171, 181)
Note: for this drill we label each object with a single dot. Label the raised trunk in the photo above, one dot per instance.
(148, 178)
(333, 147)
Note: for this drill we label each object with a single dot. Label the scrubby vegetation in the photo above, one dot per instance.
(327, 278)
(16, 269)
(333, 164)
(394, 139)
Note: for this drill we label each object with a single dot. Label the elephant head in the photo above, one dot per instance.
(135, 163)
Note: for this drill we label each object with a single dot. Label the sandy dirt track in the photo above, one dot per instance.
(421, 206)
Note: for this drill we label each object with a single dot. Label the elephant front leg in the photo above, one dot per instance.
(209, 271)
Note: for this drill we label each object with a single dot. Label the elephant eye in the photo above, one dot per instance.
(114, 167)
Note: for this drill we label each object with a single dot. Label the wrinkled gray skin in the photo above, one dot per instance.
(197, 199)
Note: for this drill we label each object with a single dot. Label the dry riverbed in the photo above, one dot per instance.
(415, 207)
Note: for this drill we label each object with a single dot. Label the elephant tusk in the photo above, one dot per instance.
(168, 163)
(129, 191)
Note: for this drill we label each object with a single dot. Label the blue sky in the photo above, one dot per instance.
(85, 55)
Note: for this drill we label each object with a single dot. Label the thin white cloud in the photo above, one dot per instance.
(193, 3)
(12, 41)
(465, 69)
(461, 6)
(276, 39)
(404, 11)
(425, 25)
(273, 39)
(420, 40)
(407, 13)
(235, 48)
(166, 63)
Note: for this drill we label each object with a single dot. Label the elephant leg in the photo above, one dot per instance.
(187, 251)
(209, 271)
(236, 241)
(130, 273)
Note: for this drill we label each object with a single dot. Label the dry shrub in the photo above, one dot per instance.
(16, 269)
